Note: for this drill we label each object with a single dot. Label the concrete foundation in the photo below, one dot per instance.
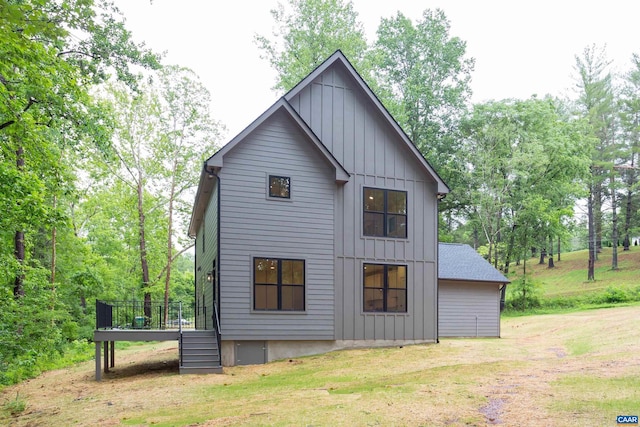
(277, 350)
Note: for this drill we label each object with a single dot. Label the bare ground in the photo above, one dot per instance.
(513, 381)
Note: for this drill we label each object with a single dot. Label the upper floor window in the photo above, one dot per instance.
(280, 186)
(278, 284)
(385, 213)
(385, 288)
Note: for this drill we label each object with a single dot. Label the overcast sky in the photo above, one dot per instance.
(521, 47)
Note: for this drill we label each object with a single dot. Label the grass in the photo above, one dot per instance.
(564, 288)
(569, 276)
(562, 369)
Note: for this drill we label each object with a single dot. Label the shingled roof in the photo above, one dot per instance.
(461, 262)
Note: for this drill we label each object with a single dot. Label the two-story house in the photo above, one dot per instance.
(317, 228)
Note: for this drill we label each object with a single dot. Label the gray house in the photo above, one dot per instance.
(469, 293)
(316, 228)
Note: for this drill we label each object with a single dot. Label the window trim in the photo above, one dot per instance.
(279, 285)
(385, 289)
(385, 213)
(268, 187)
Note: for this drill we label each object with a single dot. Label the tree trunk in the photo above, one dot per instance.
(18, 284)
(143, 252)
(18, 241)
(592, 236)
(54, 234)
(512, 240)
(558, 248)
(550, 265)
(476, 240)
(629, 206)
(614, 223)
(167, 277)
(597, 212)
(543, 254)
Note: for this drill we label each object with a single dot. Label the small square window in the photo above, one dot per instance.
(280, 186)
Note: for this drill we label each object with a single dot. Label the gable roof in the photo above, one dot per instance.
(214, 163)
(217, 160)
(461, 262)
(339, 58)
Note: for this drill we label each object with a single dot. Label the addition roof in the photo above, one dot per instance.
(461, 262)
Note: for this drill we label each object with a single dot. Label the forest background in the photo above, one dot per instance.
(101, 147)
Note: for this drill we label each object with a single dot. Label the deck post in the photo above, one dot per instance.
(106, 356)
(113, 354)
(98, 356)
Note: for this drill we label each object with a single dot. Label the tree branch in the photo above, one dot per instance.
(183, 250)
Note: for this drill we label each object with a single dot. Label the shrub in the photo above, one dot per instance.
(16, 406)
(612, 295)
(523, 295)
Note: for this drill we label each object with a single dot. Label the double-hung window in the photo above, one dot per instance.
(278, 284)
(385, 213)
(385, 288)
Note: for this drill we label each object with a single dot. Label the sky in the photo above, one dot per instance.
(521, 47)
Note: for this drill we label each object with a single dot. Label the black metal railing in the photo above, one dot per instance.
(141, 315)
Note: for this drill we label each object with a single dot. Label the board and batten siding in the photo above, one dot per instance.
(363, 141)
(206, 251)
(252, 225)
(469, 309)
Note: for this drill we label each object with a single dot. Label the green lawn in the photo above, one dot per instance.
(569, 276)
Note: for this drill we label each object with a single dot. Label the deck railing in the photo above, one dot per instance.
(141, 315)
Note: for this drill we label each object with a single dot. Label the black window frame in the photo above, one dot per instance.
(280, 285)
(279, 196)
(386, 215)
(385, 289)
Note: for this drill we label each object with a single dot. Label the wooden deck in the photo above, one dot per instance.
(110, 336)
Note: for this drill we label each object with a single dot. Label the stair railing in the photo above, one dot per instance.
(180, 332)
(218, 331)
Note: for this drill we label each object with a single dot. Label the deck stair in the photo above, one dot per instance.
(199, 353)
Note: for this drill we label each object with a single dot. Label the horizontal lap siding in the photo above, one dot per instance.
(362, 140)
(253, 226)
(469, 309)
(204, 262)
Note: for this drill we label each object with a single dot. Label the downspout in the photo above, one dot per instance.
(439, 197)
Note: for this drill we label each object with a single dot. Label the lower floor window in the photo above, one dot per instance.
(278, 284)
(385, 288)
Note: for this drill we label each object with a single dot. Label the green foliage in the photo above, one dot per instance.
(15, 406)
(523, 294)
(308, 31)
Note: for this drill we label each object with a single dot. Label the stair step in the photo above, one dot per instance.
(200, 353)
(208, 370)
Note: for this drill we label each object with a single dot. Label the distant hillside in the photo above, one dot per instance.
(569, 276)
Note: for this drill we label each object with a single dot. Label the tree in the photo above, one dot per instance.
(425, 80)
(45, 77)
(307, 34)
(525, 160)
(160, 139)
(187, 133)
(53, 53)
(595, 103)
(630, 124)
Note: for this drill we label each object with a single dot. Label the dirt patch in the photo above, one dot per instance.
(493, 410)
